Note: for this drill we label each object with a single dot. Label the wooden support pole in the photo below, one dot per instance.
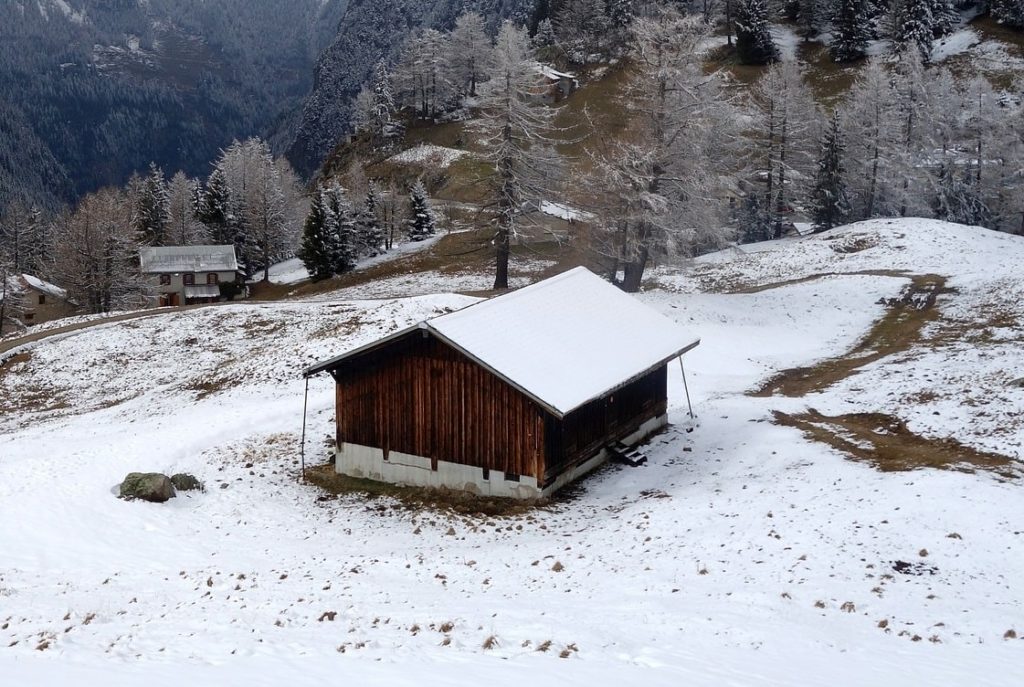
(302, 448)
(686, 387)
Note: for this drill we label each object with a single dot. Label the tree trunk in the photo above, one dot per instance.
(633, 271)
(503, 249)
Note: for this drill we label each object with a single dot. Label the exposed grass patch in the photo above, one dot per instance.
(885, 442)
(420, 498)
(897, 331)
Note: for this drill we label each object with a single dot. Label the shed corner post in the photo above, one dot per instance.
(686, 387)
(302, 444)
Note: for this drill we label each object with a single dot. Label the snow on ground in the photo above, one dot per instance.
(428, 154)
(742, 554)
(289, 272)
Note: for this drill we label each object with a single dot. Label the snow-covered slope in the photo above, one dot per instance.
(742, 554)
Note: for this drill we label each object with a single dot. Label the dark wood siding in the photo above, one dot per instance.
(582, 433)
(417, 395)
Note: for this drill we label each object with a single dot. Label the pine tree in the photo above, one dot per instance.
(421, 217)
(318, 248)
(1009, 13)
(754, 42)
(152, 208)
(621, 13)
(370, 236)
(545, 36)
(915, 28)
(213, 210)
(754, 221)
(850, 31)
(810, 14)
(945, 18)
(830, 205)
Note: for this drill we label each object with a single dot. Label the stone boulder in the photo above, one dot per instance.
(186, 482)
(147, 486)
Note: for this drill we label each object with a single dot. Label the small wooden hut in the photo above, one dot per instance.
(514, 396)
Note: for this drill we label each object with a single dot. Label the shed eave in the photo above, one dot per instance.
(330, 363)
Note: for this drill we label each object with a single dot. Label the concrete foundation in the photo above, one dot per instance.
(404, 469)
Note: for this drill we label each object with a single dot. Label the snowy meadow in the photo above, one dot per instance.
(748, 551)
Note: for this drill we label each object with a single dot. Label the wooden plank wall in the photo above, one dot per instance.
(417, 395)
(585, 430)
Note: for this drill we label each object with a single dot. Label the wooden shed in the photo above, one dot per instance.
(514, 396)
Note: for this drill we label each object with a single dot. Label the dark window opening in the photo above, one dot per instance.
(165, 280)
(212, 278)
(189, 279)
(42, 299)
(511, 477)
(29, 316)
(487, 474)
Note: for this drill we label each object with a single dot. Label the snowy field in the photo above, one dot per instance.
(742, 554)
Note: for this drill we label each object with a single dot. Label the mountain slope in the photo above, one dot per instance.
(95, 89)
(370, 30)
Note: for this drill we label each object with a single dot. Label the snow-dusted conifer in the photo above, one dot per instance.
(582, 27)
(545, 35)
(421, 216)
(754, 42)
(12, 298)
(152, 214)
(754, 222)
(214, 210)
(183, 228)
(318, 248)
(945, 18)
(957, 199)
(830, 206)
(1009, 13)
(850, 31)
(914, 28)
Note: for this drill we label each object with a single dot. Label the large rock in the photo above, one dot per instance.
(186, 482)
(147, 486)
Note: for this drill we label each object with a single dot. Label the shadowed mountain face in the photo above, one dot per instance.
(93, 90)
(370, 30)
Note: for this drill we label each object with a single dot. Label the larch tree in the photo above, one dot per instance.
(787, 124)
(12, 298)
(183, 227)
(470, 51)
(870, 120)
(421, 76)
(24, 239)
(97, 256)
(515, 135)
(830, 206)
(658, 189)
(754, 42)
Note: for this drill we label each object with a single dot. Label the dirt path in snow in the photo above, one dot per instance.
(883, 441)
(33, 337)
(897, 331)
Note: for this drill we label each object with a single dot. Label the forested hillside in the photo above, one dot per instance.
(94, 90)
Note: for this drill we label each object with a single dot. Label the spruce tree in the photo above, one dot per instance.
(754, 221)
(829, 202)
(945, 18)
(850, 31)
(1009, 13)
(914, 28)
(754, 42)
(213, 210)
(152, 208)
(369, 235)
(421, 217)
(317, 250)
(341, 232)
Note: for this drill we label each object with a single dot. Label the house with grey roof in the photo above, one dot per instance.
(187, 275)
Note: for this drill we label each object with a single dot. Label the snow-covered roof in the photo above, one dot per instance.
(37, 284)
(566, 212)
(563, 341)
(169, 259)
(549, 72)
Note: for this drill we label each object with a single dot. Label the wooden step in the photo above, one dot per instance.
(626, 455)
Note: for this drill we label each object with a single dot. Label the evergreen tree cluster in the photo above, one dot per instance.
(338, 232)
